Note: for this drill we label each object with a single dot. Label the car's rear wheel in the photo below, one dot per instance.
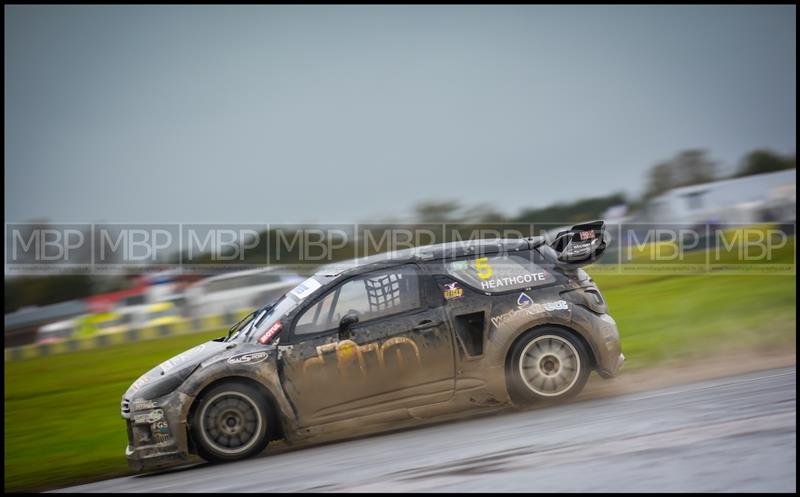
(230, 422)
(547, 364)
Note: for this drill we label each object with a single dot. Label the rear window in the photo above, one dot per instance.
(500, 273)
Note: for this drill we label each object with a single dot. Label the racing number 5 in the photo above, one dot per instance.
(483, 268)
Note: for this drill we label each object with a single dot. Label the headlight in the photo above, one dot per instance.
(165, 385)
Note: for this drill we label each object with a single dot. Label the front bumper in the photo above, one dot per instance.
(157, 434)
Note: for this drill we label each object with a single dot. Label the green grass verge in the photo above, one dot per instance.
(690, 317)
(62, 422)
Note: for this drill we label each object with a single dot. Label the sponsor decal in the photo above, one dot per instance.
(560, 305)
(587, 235)
(351, 358)
(579, 248)
(452, 291)
(249, 358)
(519, 279)
(271, 332)
(459, 266)
(306, 288)
(489, 278)
(159, 427)
(483, 268)
(161, 437)
(527, 307)
(150, 417)
(142, 405)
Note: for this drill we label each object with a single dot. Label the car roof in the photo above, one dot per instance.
(427, 253)
(236, 274)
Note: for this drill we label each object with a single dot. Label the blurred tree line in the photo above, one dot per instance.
(689, 167)
(44, 290)
(692, 167)
(764, 161)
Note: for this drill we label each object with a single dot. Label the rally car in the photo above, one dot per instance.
(381, 343)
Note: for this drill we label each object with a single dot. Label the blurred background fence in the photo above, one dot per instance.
(736, 225)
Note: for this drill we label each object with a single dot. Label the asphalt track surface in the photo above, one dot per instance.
(735, 434)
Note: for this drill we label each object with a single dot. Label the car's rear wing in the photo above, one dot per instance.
(580, 245)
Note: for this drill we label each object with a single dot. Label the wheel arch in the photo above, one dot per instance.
(275, 422)
(587, 345)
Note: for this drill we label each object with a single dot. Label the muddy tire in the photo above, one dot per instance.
(231, 422)
(546, 365)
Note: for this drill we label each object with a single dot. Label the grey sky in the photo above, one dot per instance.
(345, 114)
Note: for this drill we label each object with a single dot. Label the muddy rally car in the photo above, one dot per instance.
(382, 343)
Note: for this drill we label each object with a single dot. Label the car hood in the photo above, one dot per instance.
(165, 377)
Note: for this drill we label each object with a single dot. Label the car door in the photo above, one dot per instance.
(398, 355)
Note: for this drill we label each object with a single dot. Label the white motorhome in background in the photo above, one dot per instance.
(231, 292)
(759, 198)
(56, 332)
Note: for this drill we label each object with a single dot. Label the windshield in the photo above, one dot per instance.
(254, 324)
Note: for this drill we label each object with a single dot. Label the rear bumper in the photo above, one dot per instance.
(615, 370)
(602, 334)
(610, 357)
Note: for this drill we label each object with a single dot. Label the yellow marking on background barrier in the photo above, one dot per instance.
(211, 321)
(92, 342)
(58, 348)
(148, 332)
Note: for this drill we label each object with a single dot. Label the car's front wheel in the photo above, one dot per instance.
(545, 365)
(231, 422)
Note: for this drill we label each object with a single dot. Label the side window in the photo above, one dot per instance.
(371, 296)
(501, 273)
(317, 317)
(352, 297)
(379, 294)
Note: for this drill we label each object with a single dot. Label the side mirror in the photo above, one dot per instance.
(348, 320)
